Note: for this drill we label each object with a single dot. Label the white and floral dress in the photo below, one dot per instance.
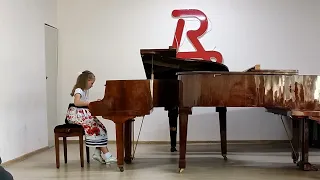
(95, 131)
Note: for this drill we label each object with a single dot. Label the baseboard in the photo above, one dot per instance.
(200, 142)
(25, 156)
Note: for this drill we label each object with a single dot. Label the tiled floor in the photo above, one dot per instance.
(246, 162)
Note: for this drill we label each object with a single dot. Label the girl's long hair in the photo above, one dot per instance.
(82, 81)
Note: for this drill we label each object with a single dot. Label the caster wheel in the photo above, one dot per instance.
(121, 169)
(181, 170)
(307, 166)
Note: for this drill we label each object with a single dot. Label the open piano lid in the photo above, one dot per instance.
(165, 65)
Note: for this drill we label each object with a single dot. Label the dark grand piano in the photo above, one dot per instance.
(162, 64)
(205, 84)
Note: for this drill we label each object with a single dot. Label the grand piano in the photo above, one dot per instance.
(280, 92)
(178, 85)
(161, 65)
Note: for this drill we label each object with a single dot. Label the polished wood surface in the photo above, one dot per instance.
(134, 98)
(123, 100)
(126, 99)
(242, 89)
(286, 92)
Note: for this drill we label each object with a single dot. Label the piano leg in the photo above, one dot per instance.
(223, 130)
(128, 141)
(119, 142)
(304, 162)
(173, 121)
(183, 125)
(295, 140)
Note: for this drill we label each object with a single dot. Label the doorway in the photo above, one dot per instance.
(51, 56)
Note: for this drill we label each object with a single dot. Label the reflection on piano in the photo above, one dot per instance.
(120, 103)
(280, 92)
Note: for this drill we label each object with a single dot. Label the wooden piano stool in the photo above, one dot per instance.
(69, 130)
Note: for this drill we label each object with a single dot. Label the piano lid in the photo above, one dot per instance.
(165, 65)
(258, 72)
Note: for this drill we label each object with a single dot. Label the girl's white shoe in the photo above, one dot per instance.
(98, 158)
(110, 160)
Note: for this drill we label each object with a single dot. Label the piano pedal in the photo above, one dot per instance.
(173, 149)
(225, 157)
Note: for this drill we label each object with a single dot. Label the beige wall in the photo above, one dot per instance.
(23, 124)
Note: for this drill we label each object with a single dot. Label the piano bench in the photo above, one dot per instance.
(69, 130)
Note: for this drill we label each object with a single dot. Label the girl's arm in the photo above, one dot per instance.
(78, 102)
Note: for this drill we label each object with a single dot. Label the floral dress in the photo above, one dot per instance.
(95, 131)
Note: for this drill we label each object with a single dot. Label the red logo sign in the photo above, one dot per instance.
(193, 36)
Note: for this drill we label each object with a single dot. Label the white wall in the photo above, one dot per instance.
(23, 124)
(106, 36)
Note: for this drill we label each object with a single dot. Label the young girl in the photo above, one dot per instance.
(95, 132)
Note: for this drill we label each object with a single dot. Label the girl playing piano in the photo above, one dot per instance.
(95, 132)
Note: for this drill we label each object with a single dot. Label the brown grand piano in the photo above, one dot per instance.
(280, 92)
(120, 101)
(124, 100)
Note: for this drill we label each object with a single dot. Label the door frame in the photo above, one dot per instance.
(51, 142)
